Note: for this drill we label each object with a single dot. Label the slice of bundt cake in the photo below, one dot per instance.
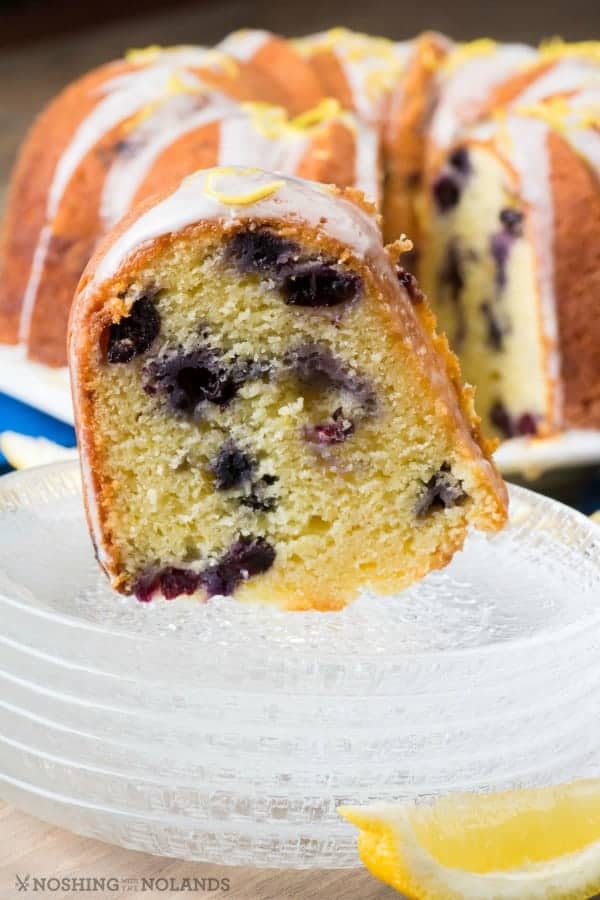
(263, 407)
(511, 225)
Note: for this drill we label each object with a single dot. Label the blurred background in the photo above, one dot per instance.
(46, 44)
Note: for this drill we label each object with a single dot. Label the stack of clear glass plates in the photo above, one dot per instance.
(230, 733)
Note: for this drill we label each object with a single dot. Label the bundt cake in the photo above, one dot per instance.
(263, 405)
(440, 135)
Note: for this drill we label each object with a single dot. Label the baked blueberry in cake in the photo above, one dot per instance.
(263, 407)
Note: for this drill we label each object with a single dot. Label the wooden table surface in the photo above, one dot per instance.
(34, 848)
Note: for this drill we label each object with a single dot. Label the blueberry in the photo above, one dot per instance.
(502, 241)
(512, 220)
(192, 378)
(496, 328)
(247, 556)
(446, 193)
(231, 467)
(135, 333)
(522, 425)
(410, 285)
(261, 251)
(500, 417)
(335, 432)
(500, 247)
(320, 284)
(317, 367)
(442, 491)
(452, 273)
(527, 424)
(452, 276)
(258, 502)
(171, 582)
(257, 499)
(459, 159)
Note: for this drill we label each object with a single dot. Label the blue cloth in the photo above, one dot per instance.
(17, 416)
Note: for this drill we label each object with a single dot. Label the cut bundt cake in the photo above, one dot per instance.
(510, 248)
(263, 406)
(440, 135)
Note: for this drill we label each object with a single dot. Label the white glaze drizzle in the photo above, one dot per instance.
(294, 200)
(586, 142)
(177, 117)
(368, 102)
(242, 142)
(364, 60)
(367, 168)
(583, 124)
(89, 492)
(566, 75)
(244, 44)
(121, 97)
(464, 89)
(33, 283)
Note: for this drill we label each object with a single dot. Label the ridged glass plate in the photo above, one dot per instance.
(230, 733)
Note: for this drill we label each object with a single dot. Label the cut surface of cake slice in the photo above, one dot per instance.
(511, 225)
(263, 406)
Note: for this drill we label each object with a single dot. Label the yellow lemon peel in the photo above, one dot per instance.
(521, 845)
(327, 109)
(144, 54)
(354, 46)
(588, 118)
(253, 196)
(176, 84)
(273, 122)
(557, 48)
(215, 59)
(466, 52)
(553, 111)
(137, 119)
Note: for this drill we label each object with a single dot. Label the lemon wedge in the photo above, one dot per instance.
(24, 452)
(595, 517)
(534, 844)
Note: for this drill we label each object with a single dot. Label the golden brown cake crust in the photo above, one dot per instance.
(26, 213)
(331, 76)
(576, 192)
(282, 65)
(405, 136)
